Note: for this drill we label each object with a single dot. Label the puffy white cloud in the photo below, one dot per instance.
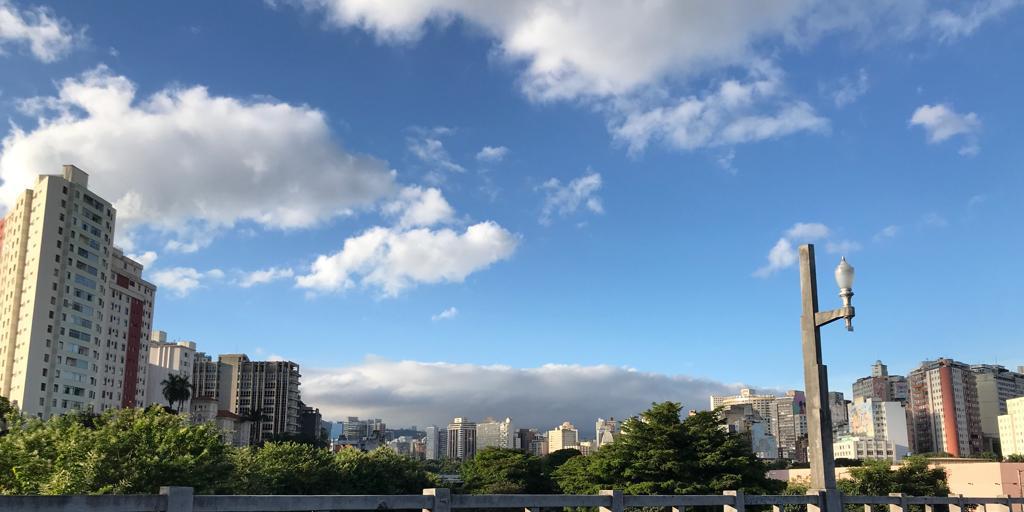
(941, 122)
(47, 37)
(952, 25)
(808, 231)
(186, 161)
(146, 259)
(265, 276)
(393, 260)
(735, 112)
(567, 199)
(424, 393)
(492, 153)
(447, 314)
(849, 90)
(182, 281)
(417, 206)
(784, 254)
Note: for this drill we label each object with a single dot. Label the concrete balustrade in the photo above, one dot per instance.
(182, 499)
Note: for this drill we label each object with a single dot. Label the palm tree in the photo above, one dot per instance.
(177, 388)
(255, 416)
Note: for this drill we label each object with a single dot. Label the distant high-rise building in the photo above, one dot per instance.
(538, 444)
(995, 386)
(166, 359)
(881, 386)
(1011, 428)
(435, 443)
(76, 313)
(837, 405)
(311, 423)
(524, 437)
(878, 430)
(944, 409)
(461, 439)
(764, 405)
(491, 433)
(789, 425)
(743, 419)
(356, 429)
(606, 431)
(563, 437)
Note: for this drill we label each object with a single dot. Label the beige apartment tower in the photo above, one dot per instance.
(75, 313)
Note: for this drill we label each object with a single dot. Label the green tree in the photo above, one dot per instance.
(6, 409)
(914, 477)
(285, 468)
(124, 451)
(659, 453)
(555, 459)
(176, 389)
(1014, 457)
(504, 471)
(381, 471)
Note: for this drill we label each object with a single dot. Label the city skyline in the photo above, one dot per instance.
(562, 194)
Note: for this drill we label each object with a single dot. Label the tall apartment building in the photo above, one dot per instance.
(461, 439)
(606, 431)
(789, 425)
(995, 386)
(1011, 428)
(744, 419)
(435, 443)
(75, 313)
(243, 387)
(166, 359)
(944, 410)
(837, 405)
(882, 386)
(563, 437)
(764, 405)
(491, 433)
(356, 429)
(878, 430)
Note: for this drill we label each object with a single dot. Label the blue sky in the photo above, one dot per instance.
(647, 165)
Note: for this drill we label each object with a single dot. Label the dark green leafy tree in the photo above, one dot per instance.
(6, 409)
(504, 471)
(124, 451)
(381, 471)
(285, 468)
(659, 453)
(914, 477)
(1015, 457)
(555, 459)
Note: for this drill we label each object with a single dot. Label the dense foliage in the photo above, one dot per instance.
(913, 477)
(660, 453)
(504, 471)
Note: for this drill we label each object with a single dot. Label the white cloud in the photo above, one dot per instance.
(567, 199)
(784, 254)
(887, 232)
(842, 247)
(187, 162)
(276, 358)
(934, 220)
(447, 314)
(733, 113)
(492, 153)
(850, 89)
(941, 122)
(265, 276)
(417, 206)
(807, 231)
(423, 393)
(952, 25)
(146, 259)
(426, 145)
(182, 281)
(393, 260)
(47, 37)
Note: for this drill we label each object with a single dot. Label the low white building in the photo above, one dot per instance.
(878, 430)
(166, 359)
(1011, 428)
(853, 447)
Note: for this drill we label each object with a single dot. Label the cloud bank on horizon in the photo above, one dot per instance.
(406, 393)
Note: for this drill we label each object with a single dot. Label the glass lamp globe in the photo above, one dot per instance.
(844, 275)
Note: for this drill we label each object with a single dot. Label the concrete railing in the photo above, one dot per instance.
(181, 499)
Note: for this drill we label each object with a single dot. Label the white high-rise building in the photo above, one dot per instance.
(166, 359)
(491, 433)
(563, 437)
(878, 430)
(764, 405)
(76, 313)
(606, 431)
(1011, 428)
(461, 443)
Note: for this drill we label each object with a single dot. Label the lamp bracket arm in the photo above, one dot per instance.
(826, 317)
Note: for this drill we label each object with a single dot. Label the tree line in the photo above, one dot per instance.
(135, 451)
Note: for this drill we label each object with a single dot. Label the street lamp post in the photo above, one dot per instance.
(819, 416)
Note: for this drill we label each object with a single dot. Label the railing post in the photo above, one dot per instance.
(617, 504)
(958, 503)
(442, 499)
(179, 499)
(902, 506)
(740, 505)
(819, 504)
(1003, 505)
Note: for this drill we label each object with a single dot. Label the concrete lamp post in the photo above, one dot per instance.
(819, 416)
